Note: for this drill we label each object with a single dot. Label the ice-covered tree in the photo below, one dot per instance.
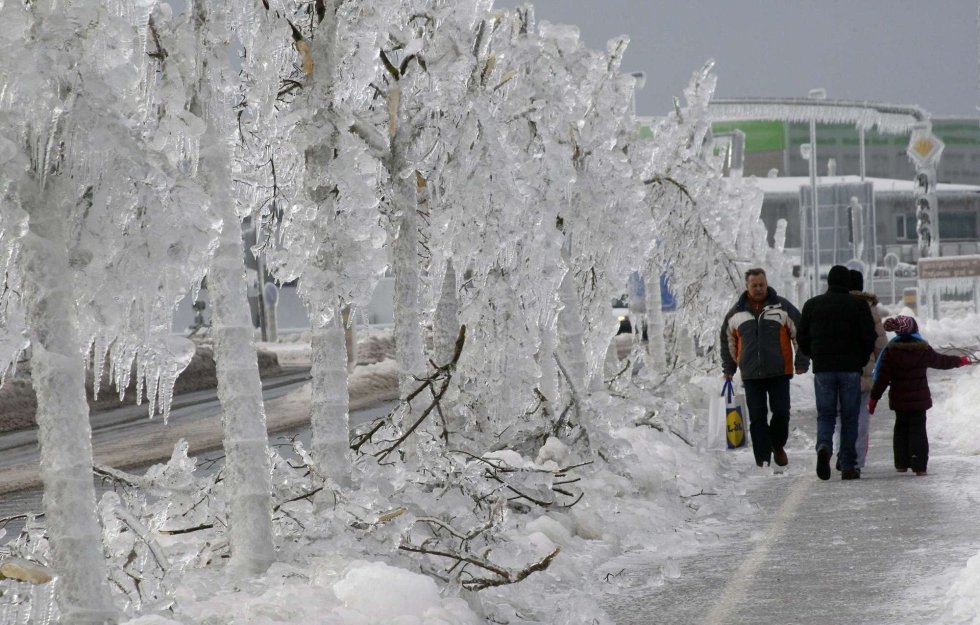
(573, 116)
(708, 226)
(329, 236)
(429, 55)
(103, 235)
(605, 224)
(485, 249)
(406, 108)
(532, 152)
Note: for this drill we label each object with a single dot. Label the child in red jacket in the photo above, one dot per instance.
(902, 365)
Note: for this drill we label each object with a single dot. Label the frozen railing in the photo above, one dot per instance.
(886, 118)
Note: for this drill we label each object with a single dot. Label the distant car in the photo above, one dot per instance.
(621, 313)
(623, 320)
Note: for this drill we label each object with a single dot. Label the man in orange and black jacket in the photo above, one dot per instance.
(758, 337)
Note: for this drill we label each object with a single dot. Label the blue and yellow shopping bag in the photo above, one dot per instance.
(734, 423)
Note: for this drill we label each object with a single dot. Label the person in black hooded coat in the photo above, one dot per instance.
(837, 332)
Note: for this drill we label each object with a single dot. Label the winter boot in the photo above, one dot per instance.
(823, 463)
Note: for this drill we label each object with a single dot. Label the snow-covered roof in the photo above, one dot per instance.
(790, 185)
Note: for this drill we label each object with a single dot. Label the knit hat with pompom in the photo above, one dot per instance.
(901, 324)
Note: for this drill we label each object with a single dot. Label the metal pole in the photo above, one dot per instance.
(861, 141)
(260, 278)
(857, 230)
(814, 218)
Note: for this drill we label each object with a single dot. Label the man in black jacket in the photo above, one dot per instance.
(837, 333)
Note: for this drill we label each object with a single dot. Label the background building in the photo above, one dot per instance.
(772, 153)
(776, 145)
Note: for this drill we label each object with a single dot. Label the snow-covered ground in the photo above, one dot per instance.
(652, 510)
(665, 494)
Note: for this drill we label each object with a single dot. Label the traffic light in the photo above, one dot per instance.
(924, 151)
(926, 217)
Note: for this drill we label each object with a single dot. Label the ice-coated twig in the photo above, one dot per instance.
(627, 365)
(503, 577)
(17, 517)
(573, 391)
(115, 475)
(140, 530)
(444, 375)
(464, 536)
(187, 530)
(650, 419)
(664, 180)
(306, 496)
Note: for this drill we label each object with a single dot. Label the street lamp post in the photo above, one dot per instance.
(815, 94)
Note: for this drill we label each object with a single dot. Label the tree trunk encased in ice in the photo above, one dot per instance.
(248, 482)
(408, 335)
(571, 335)
(656, 328)
(331, 240)
(330, 403)
(548, 383)
(64, 432)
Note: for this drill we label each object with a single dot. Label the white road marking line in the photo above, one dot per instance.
(737, 586)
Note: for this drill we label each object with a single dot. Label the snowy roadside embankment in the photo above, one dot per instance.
(651, 495)
(954, 419)
(645, 514)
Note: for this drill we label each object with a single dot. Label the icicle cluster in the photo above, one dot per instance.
(119, 143)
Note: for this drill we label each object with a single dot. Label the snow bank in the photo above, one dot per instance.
(374, 591)
(327, 591)
(963, 600)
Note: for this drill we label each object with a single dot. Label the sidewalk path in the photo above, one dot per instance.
(881, 550)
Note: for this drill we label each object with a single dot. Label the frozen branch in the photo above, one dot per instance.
(108, 473)
(503, 576)
(576, 401)
(650, 419)
(664, 180)
(144, 534)
(369, 134)
(187, 530)
(464, 536)
(306, 496)
(444, 375)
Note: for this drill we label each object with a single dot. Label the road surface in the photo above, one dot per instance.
(126, 438)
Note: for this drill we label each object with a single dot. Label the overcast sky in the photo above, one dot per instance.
(920, 52)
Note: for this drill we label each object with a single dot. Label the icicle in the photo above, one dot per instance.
(445, 323)
(100, 354)
(140, 380)
(123, 355)
(179, 353)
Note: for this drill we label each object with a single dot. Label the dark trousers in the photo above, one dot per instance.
(911, 443)
(838, 393)
(761, 396)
